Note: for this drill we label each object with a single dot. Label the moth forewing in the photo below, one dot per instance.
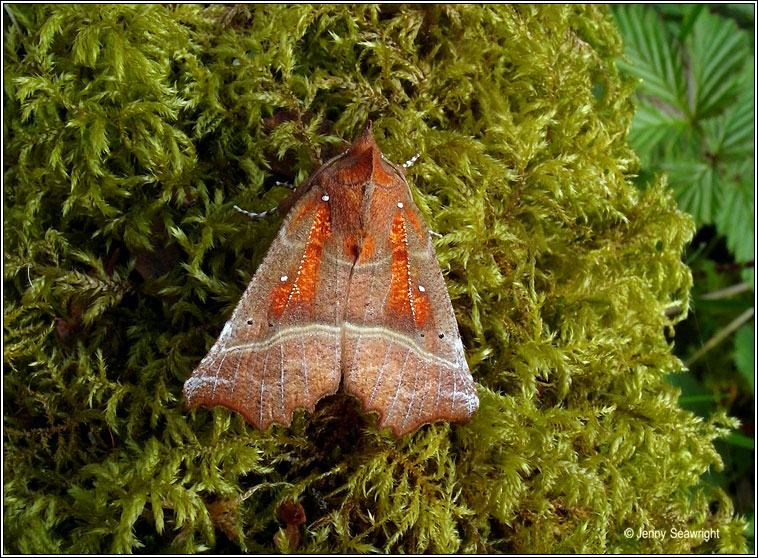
(280, 349)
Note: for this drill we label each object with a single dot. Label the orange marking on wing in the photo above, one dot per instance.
(280, 295)
(303, 288)
(412, 304)
(422, 307)
(411, 215)
(399, 297)
(307, 276)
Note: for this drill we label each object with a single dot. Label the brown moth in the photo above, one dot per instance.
(349, 292)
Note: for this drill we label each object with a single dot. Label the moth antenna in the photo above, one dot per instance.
(435, 233)
(253, 215)
(412, 160)
(285, 185)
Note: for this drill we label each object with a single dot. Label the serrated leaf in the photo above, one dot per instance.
(731, 136)
(695, 185)
(744, 354)
(736, 216)
(655, 129)
(690, 15)
(717, 54)
(650, 54)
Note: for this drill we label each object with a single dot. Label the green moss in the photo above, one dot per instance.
(131, 131)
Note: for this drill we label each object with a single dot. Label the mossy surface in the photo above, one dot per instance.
(131, 131)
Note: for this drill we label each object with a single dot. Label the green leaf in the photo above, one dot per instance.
(695, 185)
(731, 135)
(737, 439)
(717, 53)
(689, 17)
(744, 354)
(736, 216)
(651, 54)
(654, 128)
(693, 396)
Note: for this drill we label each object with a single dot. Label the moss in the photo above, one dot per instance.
(131, 131)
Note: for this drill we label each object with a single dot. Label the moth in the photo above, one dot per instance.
(350, 293)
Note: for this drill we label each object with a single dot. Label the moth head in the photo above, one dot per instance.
(365, 139)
